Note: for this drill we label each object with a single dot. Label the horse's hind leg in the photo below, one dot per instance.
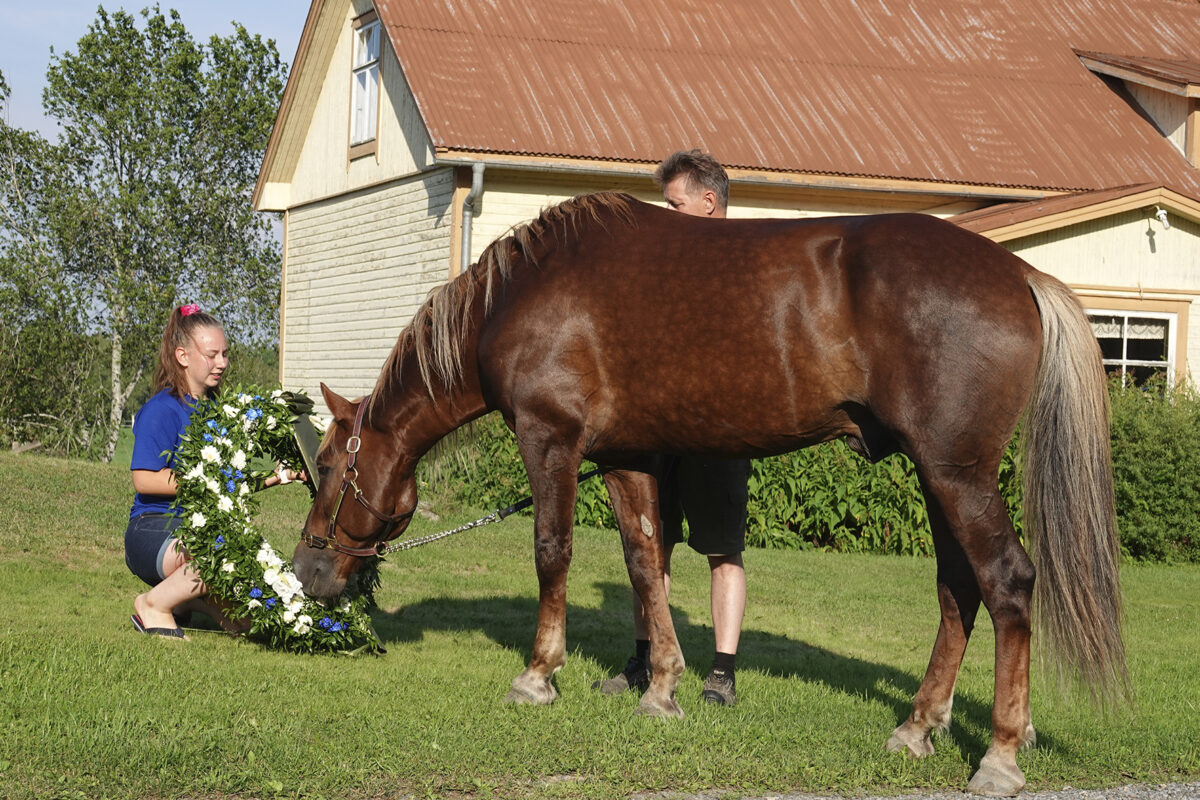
(635, 502)
(958, 598)
(976, 517)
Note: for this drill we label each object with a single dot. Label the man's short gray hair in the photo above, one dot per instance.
(700, 168)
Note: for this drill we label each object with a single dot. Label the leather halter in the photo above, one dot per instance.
(350, 481)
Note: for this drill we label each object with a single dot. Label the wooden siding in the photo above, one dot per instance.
(510, 198)
(1168, 111)
(358, 268)
(1128, 257)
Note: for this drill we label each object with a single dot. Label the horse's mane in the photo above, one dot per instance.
(440, 325)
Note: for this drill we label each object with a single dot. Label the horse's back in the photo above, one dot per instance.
(763, 335)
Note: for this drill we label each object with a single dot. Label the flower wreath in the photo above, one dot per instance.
(232, 442)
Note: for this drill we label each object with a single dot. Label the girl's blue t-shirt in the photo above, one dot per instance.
(157, 430)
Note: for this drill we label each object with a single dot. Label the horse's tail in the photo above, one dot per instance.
(1070, 514)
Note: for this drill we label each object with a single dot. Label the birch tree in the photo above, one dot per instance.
(148, 188)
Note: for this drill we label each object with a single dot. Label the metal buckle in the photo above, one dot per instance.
(356, 441)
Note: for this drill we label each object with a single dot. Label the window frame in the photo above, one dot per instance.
(367, 24)
(1125, 363)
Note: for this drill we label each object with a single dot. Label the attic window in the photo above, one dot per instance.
(364, 90)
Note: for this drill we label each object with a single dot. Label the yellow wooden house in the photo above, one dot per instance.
(411, 134)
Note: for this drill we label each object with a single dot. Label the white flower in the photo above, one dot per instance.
(345, 606)
(296, 605)
(224, 503)
(244, 398)
(239, 460)
(289, 616)
(194, 473)
(254, 604)
(303, 624)
(212, 485)
(267, 557)
(198, 520)
(244, 490)
(227, 566)
(271, 423)
(209, 453)
(278, 393)
(229, 410)
(288, 587)
(271, 576)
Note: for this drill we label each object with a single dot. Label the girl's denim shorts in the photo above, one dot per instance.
(146, 541)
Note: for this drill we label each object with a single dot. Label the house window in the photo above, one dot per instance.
(364, 92)
(1136, 345)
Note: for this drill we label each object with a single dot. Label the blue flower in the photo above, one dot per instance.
(337, 626)
(224, 431)
(208, 437)
(326, 623)
(227, 472)
(271, 602)
(239, 474)
(219, 542)
(212, 423)
(253, 413)
(256, 592)
(231, 486)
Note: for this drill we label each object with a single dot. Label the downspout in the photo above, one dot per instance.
(468, 213)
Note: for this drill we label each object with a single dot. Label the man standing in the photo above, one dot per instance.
(710, 492)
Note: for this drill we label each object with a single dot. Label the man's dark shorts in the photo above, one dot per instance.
(712, 494)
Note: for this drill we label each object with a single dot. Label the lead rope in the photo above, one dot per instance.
(495, 516)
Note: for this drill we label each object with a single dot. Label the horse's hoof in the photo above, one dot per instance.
(997, 778)
(910, 741)
(533, 693)
(657, 707)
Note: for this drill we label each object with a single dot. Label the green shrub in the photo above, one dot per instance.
(829, 498)
(1156, 468)
(482, 469)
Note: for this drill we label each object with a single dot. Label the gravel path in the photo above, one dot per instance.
(1154, 791)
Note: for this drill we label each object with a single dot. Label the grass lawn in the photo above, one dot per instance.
(832, 652)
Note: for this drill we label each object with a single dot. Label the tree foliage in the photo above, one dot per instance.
(143, 202)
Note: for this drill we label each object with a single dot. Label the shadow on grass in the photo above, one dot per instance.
(601, 634)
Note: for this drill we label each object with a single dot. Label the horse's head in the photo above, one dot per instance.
(365, 498)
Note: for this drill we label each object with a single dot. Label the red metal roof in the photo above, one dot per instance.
(1179, 71)
(964, 91)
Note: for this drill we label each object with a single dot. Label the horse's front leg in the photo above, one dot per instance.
(552, 477)
(635, 503)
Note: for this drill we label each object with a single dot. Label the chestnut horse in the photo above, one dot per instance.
(613, 330)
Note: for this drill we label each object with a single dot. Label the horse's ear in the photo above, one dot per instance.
(338, 406)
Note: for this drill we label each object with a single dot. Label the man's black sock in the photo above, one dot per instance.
(726, 662)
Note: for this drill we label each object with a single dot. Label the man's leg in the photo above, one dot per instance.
(728, 600)
(728, 609)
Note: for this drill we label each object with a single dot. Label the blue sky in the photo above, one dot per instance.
(28, 31)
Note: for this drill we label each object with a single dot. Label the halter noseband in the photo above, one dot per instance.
(350, 481)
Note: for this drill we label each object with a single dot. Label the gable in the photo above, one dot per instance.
(308, 157)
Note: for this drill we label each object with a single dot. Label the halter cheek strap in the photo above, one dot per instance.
(350, 481)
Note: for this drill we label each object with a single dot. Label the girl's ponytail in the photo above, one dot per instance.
(181, 328)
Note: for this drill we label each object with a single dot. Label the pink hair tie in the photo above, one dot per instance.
(189, 309)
